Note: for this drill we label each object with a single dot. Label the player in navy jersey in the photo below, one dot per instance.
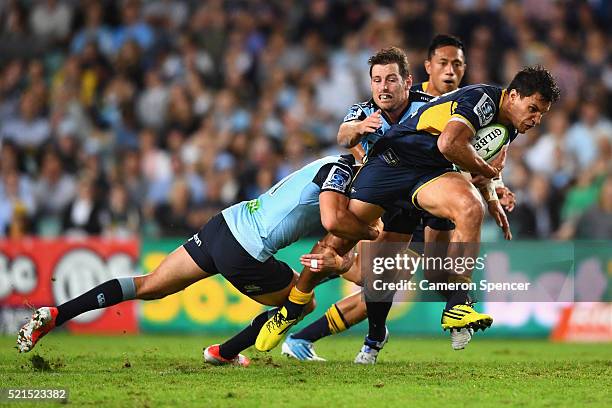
(413, 162)
(239, 243)
(445, 65)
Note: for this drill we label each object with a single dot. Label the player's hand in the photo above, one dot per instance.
(499, 162)
(480, 181)
(371, 123)
(326, 261)
(498, 214)
(506, 198)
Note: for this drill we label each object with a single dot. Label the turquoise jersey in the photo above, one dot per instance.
(290, 209)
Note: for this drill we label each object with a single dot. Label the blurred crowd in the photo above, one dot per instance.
(147, 117)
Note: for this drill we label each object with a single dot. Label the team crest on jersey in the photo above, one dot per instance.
(485, 110)
(338, 179)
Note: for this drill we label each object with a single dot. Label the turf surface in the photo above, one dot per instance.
(153, 371)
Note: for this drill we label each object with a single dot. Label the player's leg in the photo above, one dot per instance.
(437, 235)
(338, 318)
(398, 228)
(177, 271)
(268, 282)
(292, 310)
(229, 351)
(452, 197)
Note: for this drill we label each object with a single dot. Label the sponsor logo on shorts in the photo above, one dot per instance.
(251, 288)
(101, 299)
(197, 240)
(485, 110)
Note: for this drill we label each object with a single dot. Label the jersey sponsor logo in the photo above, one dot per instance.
(253, 205)
(485, 110)
(196, 239)
(338, 179)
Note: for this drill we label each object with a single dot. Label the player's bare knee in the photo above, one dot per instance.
(469, 211)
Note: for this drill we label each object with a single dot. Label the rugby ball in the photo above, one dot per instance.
(489, 141)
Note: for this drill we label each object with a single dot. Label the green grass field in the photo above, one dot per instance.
(153, 371)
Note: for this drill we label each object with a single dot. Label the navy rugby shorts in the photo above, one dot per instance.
(413, 221)
(215, 250)
(384, 184)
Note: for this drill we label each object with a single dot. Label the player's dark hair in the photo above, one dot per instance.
(391, 55)
(444, 40)
(534, 79)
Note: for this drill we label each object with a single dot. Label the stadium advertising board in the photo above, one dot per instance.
(214, 305)
(37, 272)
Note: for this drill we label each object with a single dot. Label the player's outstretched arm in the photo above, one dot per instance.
(338, 220)
(454, 144)
(350, 133)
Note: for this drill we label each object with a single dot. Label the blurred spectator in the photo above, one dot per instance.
(53, 190)
(173, 216)
(596, 222)
(94, 32)
(122, 218)
(133, 28)
(30, 129)
(537, 214)
(153, 102)
(550, 154)
(84, 215)
(17, 206)
(582, 137)
(51, 20)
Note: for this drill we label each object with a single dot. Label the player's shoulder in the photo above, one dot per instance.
(360, 110)
(420, 87)
(335, 173)
(477, 91)
(418, 96)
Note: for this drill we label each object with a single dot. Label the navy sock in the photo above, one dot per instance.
(107, 294)
(294, 310)
(377, 316)
(315, 330)
(457, 297)
(246, 337)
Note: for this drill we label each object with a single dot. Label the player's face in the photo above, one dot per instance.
(445, 69)
(389, 90)
(526, 111)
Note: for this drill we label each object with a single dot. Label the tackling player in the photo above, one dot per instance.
(239, 243)
(364, 124)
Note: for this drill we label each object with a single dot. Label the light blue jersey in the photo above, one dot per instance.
(360, 111)
(290, 209)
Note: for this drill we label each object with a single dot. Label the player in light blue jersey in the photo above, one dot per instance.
(239, 244)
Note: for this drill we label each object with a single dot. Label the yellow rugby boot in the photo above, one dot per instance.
(460, 316)
(274, 330)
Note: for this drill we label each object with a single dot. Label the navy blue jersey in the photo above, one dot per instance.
(289, 210)
(414, 141)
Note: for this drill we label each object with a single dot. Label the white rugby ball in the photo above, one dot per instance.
(489, 141)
